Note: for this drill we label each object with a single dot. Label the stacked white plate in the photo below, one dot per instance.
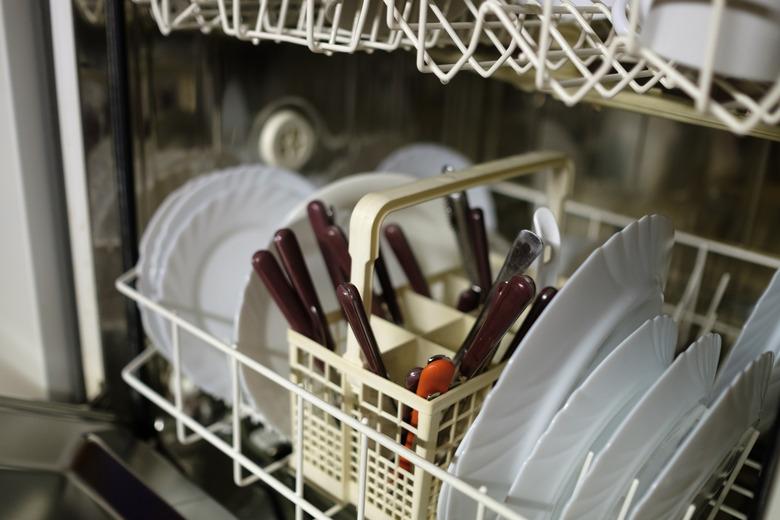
(592, 400)
(194, 256)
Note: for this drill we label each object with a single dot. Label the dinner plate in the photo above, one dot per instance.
(612, 293)
(427, 159)
(601, 402)
(190, 199)
(162, 229)
(761, 333)
(648, 433)
(256, 177)
(708, 446)
(203, 270)
(145, 266)
(261, 330)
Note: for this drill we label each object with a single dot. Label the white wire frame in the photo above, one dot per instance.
(266, 474)
(596, 218)
(569, 49)
(93, 11)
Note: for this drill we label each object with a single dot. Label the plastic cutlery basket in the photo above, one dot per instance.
(331, 449)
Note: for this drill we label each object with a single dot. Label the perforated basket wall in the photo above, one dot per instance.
(331, 449)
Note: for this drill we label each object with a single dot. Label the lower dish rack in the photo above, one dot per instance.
(349, 425)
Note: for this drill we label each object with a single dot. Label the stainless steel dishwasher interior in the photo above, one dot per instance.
(59, 461)
(199, 100)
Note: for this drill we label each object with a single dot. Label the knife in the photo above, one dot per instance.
(403, 252)
(289, 251)
(526, 247)
(267, 268)
(458, 210)
(511, 299)
(541, 302)
(320, 218)
(468, 300)
(388, 291)
(481, 252)
(434, 380)
(355, 314)
(412, 379)
(339, 249)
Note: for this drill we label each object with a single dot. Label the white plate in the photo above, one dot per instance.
(176, 215)
(208, 187)
(261, 330)
(203, 274)
(614, 291)
(428, 159)
(601, 402)
(708, 445)
(146, 267)
(761, 333)
(667, 412)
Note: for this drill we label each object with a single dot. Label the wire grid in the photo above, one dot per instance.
(377, 445)
(174, 15)
(93, 11)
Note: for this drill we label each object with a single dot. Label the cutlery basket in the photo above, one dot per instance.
(331, 450)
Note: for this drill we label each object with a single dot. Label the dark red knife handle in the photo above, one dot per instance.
(355, 314)
(403, 252)
(290, 253)
(541, 302)
(506, 306)
(339, 248)
(320, 219)
(468, 300)
(412, 378)
(481, 250)
(267, 268)
(388, 291)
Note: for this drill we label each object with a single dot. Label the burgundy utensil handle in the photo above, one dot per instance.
(459, 212)
(481, 251)
(512, 297)
(412, 378)
(267, 268)
(403, 252)
(289, 251)
(352, 305)
(468, 300)
(388, 291)
(339, 249)
(541, 302)
(320, 219)
(525, 248)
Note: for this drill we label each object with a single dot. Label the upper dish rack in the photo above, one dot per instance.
(568, 48)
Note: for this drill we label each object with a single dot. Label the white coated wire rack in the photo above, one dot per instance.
(568, 48)
(189, 430)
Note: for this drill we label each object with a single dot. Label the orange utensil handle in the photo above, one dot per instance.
(434, 380)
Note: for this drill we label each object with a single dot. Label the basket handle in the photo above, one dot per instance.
(370, 211)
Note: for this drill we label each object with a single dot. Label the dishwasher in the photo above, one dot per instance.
(623, 154)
